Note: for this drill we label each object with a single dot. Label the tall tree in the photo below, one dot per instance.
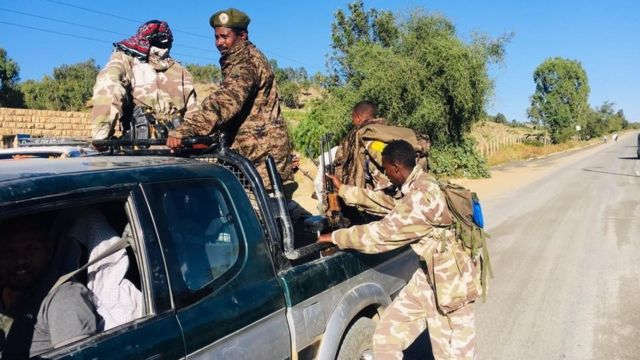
(358, 27)
(416, 69)
(421, 75)
(561, 97)
(10, 96)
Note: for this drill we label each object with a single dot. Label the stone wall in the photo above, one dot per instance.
(44, 123)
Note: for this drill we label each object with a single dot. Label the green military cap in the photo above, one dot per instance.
(230, 18)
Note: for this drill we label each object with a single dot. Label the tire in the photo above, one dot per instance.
(358, 342)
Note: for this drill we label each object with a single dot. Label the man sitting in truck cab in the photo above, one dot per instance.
(26, 252)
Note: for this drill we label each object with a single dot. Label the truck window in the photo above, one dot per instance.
(105, 295)
(203, 238)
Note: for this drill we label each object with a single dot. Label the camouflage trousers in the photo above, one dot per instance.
(414, 310)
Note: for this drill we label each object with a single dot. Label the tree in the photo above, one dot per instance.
(204, 74)
(10, 96)
(69, 89)
(291, 82)
(560, 98)
(500, 118)
(360, 27)
(417, 70)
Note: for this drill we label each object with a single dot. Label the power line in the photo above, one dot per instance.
(48, 31)
(94, 11)
(55, 32)
(89, 27)
(119, 17)
(61, 21)
(176, 30)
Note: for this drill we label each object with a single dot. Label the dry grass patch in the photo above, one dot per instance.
(524, 151)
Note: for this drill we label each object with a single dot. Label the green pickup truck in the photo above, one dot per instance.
(219, 269)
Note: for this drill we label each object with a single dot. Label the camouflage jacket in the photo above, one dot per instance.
(165, 88)
(419, 217)
(357, 162)
(246, 109)
(422, 219)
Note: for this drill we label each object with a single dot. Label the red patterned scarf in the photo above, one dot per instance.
(152, 33)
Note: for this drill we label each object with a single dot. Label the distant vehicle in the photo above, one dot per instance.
(46, 152)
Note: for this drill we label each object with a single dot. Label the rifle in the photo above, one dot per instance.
(330, 195)
(144, 124)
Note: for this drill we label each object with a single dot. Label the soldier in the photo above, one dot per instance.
(419, 218)
(245, 107)
(363, 114)
(142, 84)
(358, 160)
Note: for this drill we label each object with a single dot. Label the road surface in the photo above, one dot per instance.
(565, 251)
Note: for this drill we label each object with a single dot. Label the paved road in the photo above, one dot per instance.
(566, 256)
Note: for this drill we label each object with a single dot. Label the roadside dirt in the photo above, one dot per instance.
(517, 174)
(305, 186)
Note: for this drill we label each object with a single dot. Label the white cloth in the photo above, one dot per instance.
(117, 300)
(318, 181)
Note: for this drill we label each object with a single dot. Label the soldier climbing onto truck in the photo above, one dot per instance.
(421, 218)
(358, 159)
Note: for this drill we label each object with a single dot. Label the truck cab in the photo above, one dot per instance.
(215, 267)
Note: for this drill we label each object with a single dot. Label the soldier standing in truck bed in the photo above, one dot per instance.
(142, 82)
(246, 106)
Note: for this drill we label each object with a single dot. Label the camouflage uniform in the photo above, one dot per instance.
(162, 86)
(356, 164)
(246, 108)
(419, 218)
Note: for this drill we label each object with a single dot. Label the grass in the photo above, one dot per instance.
(524, 152)
(293, 116)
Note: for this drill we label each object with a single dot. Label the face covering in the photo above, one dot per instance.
(149, 34)
(158, 53)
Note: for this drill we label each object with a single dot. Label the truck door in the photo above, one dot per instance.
(154, 335)
(229, 303)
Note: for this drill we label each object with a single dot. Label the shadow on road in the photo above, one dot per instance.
(610, 173)
(628, 158)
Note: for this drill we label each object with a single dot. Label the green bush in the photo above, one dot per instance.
(204, 74)
(69, 89)
(533, 142)
(330, 115)
(458, 161)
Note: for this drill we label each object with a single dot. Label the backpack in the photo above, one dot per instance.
(466, 211)
(388, 133)
(355, 164)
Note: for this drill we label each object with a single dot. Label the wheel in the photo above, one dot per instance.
(358, 343)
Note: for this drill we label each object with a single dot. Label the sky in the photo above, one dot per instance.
(603, 35)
